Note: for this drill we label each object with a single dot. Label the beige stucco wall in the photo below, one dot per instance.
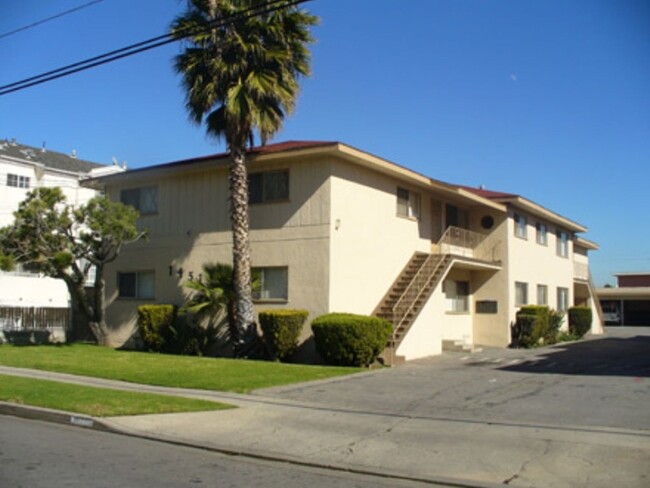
(538, 264)
(425, 335)
(192, 228)
(457, 326)
(370, 244)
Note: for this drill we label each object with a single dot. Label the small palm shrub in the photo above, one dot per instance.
(155, 324)
(350, 340)
(281, 330)
(580, 320)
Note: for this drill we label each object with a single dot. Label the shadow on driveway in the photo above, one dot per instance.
(610, 356)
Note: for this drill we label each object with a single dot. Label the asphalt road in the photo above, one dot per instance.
(36, 454)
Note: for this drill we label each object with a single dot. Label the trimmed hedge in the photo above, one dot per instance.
(580, 320)
(536, 325)
(281, 330)
(345, 339)
(155, 323)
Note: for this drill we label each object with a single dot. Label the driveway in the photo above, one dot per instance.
(603, 382)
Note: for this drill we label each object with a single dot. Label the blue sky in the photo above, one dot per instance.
(548, 99)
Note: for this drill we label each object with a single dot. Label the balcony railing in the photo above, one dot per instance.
(463, 242)
(581, 271)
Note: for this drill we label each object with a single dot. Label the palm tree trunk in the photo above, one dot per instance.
(246, 342)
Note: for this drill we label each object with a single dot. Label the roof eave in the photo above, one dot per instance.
(536, 209)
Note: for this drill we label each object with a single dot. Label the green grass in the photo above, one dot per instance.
(96, 402)
(218, 374)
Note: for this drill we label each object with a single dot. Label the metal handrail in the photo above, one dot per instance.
(414, 289)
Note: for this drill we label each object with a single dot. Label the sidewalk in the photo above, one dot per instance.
(453, 452)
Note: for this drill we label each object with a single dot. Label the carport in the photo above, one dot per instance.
(625, 305)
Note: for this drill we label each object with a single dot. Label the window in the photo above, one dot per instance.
(408, 204)
(17, 181)
(521, 294)
(562, 299)
(542, 295)
(542, 234)
(144, 200)
(271, 283)
(562, 244)
(457, 294)
(271, 186)
(138, 284)
(521, 226)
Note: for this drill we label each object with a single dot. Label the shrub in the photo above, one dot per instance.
(281, 330)
(189, 338)
(536, 325)
(580, 320)
(155, 324)
(350, 340)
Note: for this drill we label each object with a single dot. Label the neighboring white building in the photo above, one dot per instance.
(23, 168)
(335, 229)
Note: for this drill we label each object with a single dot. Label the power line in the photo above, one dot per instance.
(142, 46)
(39, 22)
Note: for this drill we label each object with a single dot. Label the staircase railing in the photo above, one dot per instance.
(404, 305)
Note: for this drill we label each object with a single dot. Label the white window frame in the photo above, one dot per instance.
(542, 295)
(144, 199)
(521, 293)
(562, 299)
(141, 290)
(18, 181)
(263, 291)
(562, 247)
(542, 233)
(457, 294)
(409, 203)
(521, 226)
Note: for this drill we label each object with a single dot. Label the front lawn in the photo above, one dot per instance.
(218, 374)
(96, 402)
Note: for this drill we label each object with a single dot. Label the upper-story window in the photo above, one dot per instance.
(269, 186)
(521, 226)
(408, 203)
(562, 243)
(542, 234)
(17, 181)
(144, 199)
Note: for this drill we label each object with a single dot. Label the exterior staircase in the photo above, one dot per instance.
(408, 295)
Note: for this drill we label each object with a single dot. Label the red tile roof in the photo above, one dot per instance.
(492, 195)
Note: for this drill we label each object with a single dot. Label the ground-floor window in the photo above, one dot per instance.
(562, 299)
(271, 283)
(457, 296)
(136, 284)
(542, 295)
(521, 293)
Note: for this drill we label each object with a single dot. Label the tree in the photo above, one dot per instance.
(240, 73)
(51, 237)
(214, 292)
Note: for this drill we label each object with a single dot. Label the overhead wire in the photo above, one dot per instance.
(143, 46)
(43, 21)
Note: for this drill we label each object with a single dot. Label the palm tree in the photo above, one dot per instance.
(213, 292)
(240, 71)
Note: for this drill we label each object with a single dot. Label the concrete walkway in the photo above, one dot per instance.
(457, 452)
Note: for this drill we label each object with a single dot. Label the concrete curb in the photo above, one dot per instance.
(84, 421)
(53, 416)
